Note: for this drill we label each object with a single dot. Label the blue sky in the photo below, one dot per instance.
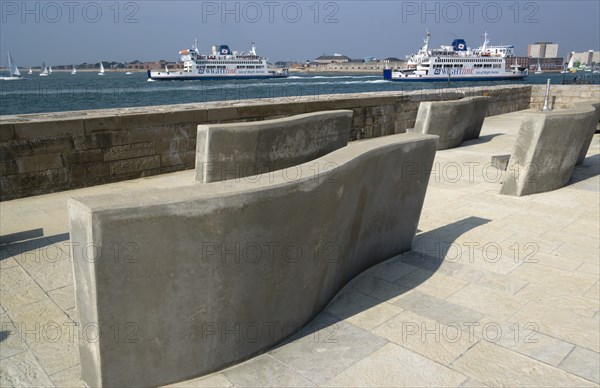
(64, 32)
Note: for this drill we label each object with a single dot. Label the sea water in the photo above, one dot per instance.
(62, 91)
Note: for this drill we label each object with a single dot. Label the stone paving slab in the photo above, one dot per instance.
(500, 290)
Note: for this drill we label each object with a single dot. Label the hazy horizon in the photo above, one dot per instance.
(61, 33)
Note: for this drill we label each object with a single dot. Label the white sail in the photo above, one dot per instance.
(166, 68)
(74, 70)
(14, 73)
(538, 69)
(50, 69)
(14, 70)
(101, 69)
(44, 71)
(30, 71)
(571, 61)
(9, 63)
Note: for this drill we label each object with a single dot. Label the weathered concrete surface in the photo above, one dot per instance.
(266, 255)
(590, 135)
(547, 149)
(500, 161)
(234, 151)
(453, 121)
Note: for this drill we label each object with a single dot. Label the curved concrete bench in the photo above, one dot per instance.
(234, 151)
(206, 276)
(547, 148)
(590, 135)
(453, 121)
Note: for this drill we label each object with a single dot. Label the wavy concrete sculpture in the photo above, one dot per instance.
(547, 149)
(202, 277)
(590, 135)
(234, 151)
(453, 121)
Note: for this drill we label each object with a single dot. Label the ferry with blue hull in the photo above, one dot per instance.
(222, 63)
(457, 62)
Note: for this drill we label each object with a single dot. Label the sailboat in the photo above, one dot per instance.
(50, 69)
(30, 71)
(101, 69)
(44, 72)
(15, 74)
(571, 65)
(74, 71)
(539, 68)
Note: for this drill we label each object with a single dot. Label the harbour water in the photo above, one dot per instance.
(62, 91)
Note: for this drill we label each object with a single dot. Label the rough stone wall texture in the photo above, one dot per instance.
(43, 153)
(562, 96)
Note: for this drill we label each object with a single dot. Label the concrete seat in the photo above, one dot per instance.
(201, 277)
(235, 151)
(453, 121)
(548, 146)
(590, 135)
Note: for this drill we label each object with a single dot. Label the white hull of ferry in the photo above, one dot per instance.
(210, 75)
(397, 75)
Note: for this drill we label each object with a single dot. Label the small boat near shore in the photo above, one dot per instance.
(538, 69)
(222, 63)
(101, 69)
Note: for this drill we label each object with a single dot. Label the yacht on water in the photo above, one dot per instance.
(222, 63)
(538, 69)
(14, 73)
(458, 63)
(74, 71)
(30, 71)
(44, 72)
(101, 69)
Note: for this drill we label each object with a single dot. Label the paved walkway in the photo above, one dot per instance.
(500, 290)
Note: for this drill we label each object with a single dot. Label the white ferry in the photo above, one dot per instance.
(458, 63)
(222, 63)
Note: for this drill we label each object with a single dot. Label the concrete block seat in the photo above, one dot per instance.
(453, 121)
(590, 135)
(548, 146)
(208, 275)
(238, 150)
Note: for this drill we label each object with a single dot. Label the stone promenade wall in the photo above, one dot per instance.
(43, 153)
(562, 96)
